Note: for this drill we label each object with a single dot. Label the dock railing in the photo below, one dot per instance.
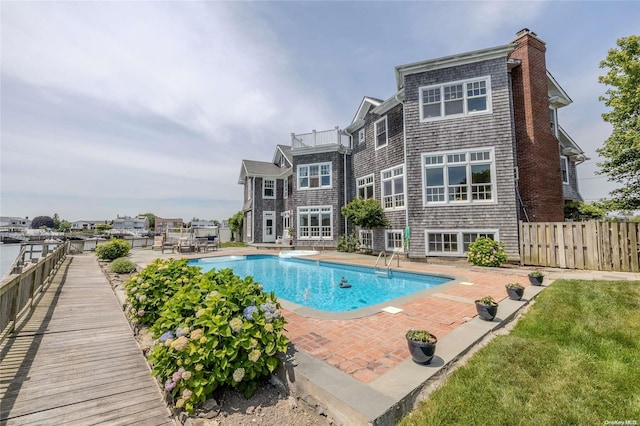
(19, 291)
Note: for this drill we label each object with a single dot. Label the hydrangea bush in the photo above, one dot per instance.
(148, 291)
(217, 330)
(112, 250)
(486, 252)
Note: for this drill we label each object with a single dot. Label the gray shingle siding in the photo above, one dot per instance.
(489, 130)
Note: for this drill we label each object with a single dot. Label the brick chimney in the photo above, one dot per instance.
(537, 149)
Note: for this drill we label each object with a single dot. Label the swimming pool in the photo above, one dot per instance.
(317, 285)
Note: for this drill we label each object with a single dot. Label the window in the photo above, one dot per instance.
(366, 239)
(361, 135)
(286, 222)
(381, 132)
(393, 188)
(365, 187)
(314, 176)
(454, 242)
(564, 168)
(394, 240)
(249, 188)
(459, 177)
(315, 222)
(249, 226)
(455, 99)
(268, 188)
(285, 189)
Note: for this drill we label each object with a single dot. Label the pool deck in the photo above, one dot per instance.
(358, 371)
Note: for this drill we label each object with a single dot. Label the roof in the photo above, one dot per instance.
(285, 151)
(366, 104)
(258, 168)
(452, 60)
(557, 96)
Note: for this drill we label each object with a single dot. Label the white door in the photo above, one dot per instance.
(268, 227)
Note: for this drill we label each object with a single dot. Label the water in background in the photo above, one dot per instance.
(8, 254)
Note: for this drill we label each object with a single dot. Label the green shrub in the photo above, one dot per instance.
(349, 243)
(486, 252)
(112, 249)
(217, 330)
(148, 291)
(122, 265)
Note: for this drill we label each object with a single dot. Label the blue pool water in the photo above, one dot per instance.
(317, 284)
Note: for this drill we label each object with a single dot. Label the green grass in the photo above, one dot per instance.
(233, 244)
(573, 359)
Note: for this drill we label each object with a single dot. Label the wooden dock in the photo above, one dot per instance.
(74, 361)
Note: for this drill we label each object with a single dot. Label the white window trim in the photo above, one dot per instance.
(446, 202)
(404, 188)
(249, 188)
(249, 225)
(361, 136)
(363, 178)
(264, 189)
(564, 159)
(464, 113)
(375, 132)
(459, 232)
(360, 238)
(285, 188)
(386, 240)
(308, 166)
(323, 209)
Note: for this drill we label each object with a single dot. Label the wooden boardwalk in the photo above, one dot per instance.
(74, 360)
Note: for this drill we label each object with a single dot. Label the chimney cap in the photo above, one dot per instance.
(526, 31)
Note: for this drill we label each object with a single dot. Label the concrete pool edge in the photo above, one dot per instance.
(394, 394)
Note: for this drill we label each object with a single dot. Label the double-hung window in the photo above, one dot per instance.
(564, 168)
(382, 135)
(268, 188)
(455, 99)
(454, 242)
(459, 177)
(394, 240)
(366, 239)
(365, 187)
(285, 188)
(361, 136)
(393, 187)
(315, 222)
(314, 176)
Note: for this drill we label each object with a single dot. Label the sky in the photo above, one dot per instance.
(121, 108)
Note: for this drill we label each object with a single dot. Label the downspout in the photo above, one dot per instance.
(406, 188)
(344, 186)
(253, 207)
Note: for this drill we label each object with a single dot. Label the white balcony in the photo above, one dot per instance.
(326, 138)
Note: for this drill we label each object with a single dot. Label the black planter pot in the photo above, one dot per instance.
(515, 293)
(535, 280)
(422, 352)
(486, 312)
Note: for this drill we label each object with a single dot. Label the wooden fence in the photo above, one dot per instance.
(603, 246)
(18, 291)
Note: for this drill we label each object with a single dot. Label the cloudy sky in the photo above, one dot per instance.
(120, 108)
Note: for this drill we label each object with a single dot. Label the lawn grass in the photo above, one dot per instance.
(230, 244)
(572, 359)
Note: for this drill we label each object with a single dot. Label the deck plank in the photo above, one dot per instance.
(74, 360)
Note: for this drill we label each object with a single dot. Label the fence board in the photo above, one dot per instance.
(593, 245)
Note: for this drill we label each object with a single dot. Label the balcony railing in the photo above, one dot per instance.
(314, 139)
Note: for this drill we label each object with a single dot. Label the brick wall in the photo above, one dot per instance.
(538, 159)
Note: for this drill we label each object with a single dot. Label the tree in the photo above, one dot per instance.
(56, 221)
(152, 220)
(367, 213)
(622, 149)
(39, 222)
(578, 211)
(235, 224)
(64, 226)
(216, 222)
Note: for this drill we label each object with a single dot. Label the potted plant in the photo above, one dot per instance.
(422, 345)
(536, 277)
(515, 291)
(487, 308)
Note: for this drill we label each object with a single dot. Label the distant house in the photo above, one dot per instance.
(14, 224)
(138, 224)
(86, 225)
(162, 225)
(201, 223)
(468, 145)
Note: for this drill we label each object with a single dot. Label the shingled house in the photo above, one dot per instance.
(467, 146)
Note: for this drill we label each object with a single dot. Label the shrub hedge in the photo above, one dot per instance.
(112, 249)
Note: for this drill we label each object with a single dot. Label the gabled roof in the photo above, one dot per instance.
(569, 147)
(366, 104)
(389, 103)
(450, 61)
(557, 96)
(258, 168)
(283, 151)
